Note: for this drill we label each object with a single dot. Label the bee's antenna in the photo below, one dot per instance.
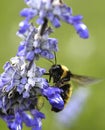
(50, 61)
(55, 58)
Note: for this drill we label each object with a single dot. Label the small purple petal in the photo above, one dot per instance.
(21, 50)
(30, 55)
(77, 18)
(53, 44)
(39, 71)
(40, 21)
(7, 65)
(26, 94)
(29, 13)
(27, 119)
(56, 101)
(1, 84)
(37, 50)
(56, 22)
(8, 88)
(38, 114)
(20, 88)
(16, 124)
(24, 25)
(47, 54)
(81, 30)
(25, 12)
(53, 95)
(50, 16)
(23, 80)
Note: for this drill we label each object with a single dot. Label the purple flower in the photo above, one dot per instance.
(29, 13)
(81, 30)
(35, 45)
(21, 84)
(18, 80)
(54, 11)
(16, 122)
(53, 96)
(24, 25)
(19, 90)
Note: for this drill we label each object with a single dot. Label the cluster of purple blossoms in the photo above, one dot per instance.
(22, 87)
(53, 11)
(37, 45)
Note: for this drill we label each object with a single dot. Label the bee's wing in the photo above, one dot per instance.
(83, 80)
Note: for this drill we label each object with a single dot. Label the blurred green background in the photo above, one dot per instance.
(86, 57)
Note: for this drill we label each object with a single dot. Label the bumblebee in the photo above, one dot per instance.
(62, 77)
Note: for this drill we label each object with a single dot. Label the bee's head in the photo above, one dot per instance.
(55, 72)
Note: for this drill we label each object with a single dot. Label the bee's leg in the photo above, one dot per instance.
(65, 79)
(49, 77)
(46, 73)
(56, 109)
(62, 81)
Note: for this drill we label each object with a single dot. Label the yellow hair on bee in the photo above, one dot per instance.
(65, 70)
(69, 95)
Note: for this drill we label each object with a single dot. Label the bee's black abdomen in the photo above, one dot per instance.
(56, 109)
(67, 91)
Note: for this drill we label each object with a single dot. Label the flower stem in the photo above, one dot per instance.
(43, 26)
